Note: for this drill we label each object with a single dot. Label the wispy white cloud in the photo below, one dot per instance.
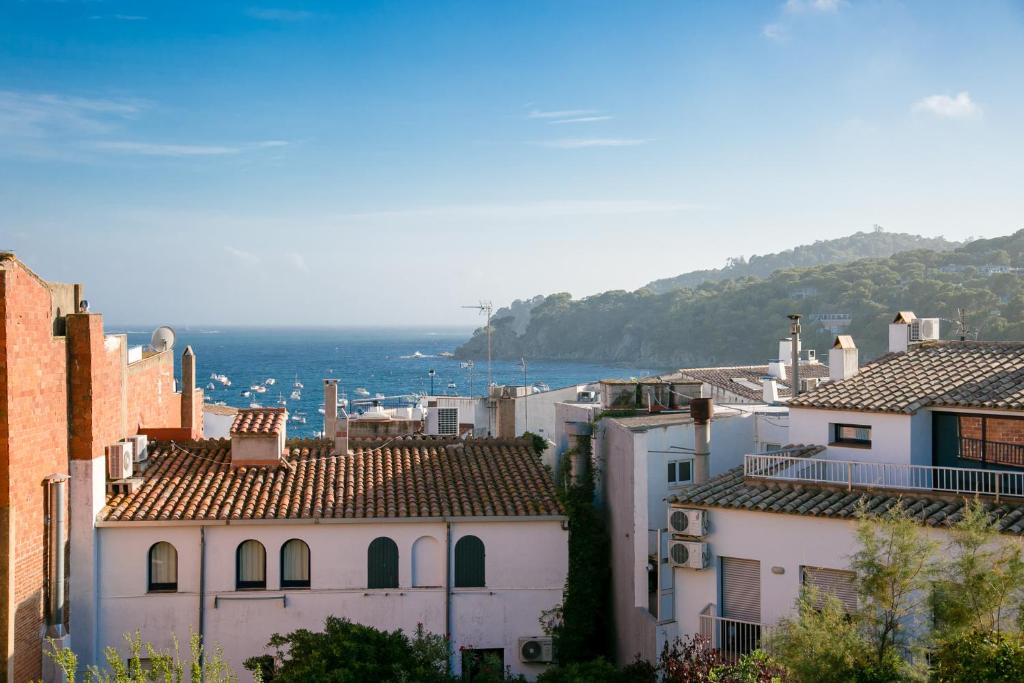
(560, 114)
(246, 257)
(277, 14)
(178, 150)
(25, 114)
(582, 119)
(120, 17)
(580, 143)
(297, 261)
(959, 106)
(776, 32)
(802, 6)
(525, 210)
(272, 143)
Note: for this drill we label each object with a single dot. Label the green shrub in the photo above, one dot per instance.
(980, 656)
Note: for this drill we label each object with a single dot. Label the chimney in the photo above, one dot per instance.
(330, 408)
(785, 350)
(843, 361)
(188, 391)
(258, 437)
(701, 410)
(899, 331)
(341, 434)
(771, 389)
(777, 369)
(794, 332)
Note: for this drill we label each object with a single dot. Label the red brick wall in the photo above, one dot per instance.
(1002, 430)
(33, 444)
(152, 401)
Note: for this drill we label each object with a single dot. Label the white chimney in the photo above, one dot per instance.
(771, 389)
(843, 359)
(701, 410)
(777, 369)
(786, 349)
(899, 331)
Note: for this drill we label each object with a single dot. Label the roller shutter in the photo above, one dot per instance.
(741, 589)
(837, 582)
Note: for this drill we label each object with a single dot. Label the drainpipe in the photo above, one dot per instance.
(202, 603)
(794, 334)
(58, 540)
(700, 411)
(448, 595)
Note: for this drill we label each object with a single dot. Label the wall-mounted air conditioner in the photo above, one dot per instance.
(586, 397)
(140, 446)
(688, 522)
(120, 463)
(535, 650)
(927, 329)
(809, 383)
(689, 554)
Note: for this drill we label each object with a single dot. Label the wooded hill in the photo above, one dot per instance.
(738, 321)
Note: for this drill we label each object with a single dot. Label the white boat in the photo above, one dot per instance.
(361, 391)
(223, 379)
(246, 394)
(451, 385)
(269, 381)
(254, 404)
(297, 384)
(446, 354)
(260, 389)
(296, 395)
(211, 386)
(379, 396)
(281, 401)
(297, 417)
(321, 410)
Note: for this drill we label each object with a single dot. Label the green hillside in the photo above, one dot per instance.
(860, 245)
(739, 320)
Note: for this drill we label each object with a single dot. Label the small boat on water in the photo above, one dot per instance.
(260, 389)
(297, 384)
(379, 396)
(223, 379)
(451, 385)
(255, 404)
(269, 381)
(446, 354)
(361, 391)
(296, 395)
(321, 410)
(246, 394)
(299, 418)
(211, 386)
(281, 401)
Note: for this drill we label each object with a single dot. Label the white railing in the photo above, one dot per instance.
(732, 638)
(850, 473)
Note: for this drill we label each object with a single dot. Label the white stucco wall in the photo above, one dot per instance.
(895, 438)
(216, 424)
(526, 566)
(536, 412)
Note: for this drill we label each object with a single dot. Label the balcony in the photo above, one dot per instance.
(995, 452)
(854, 474)
(732, 638)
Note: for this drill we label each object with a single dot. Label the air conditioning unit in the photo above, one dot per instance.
(586, 396)
(689, 554)
(812, 355)
(535, 650)
(809, 383)
(927, 329)
(120, 464)
(140, 446)
(688, 522)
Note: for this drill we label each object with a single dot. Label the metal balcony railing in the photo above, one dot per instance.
(858, 474)
(996, 452)
(732, 638)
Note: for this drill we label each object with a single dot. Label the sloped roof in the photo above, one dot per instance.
(936, 373)
(259, 421)
(723, 378)
(731, 490)
(405, 477)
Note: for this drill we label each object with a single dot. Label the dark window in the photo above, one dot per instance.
(483, 664)
(163, 567)
(382, 564)
(851, 435)
(250, 566)
(679, 472)
(469, 563)
(295, 564)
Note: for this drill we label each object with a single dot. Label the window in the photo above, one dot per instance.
(470, 563)
(163, 568)
(382, 564)
(772, 447)
(851, 435)
(680, 472)
(250, 566)
(741, 605)
(295, 564)
(836, 582)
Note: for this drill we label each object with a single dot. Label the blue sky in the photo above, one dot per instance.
(358, 163)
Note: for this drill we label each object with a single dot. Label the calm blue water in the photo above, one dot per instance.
(368, 358)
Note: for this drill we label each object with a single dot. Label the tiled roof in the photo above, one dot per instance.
(259, 421)
(730, 490)
(723, 378)
(405, 477)
(219, 409)
(938, 373)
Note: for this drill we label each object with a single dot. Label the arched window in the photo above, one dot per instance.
(250, 566)
(427, 559)
(382, 564)
(295, 564)
(469, 563)
(163, 567)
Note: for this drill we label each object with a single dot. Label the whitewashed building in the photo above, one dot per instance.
(930, 424)
(241, 539)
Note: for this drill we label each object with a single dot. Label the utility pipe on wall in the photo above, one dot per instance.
(448, 594)
(58, 541)
(202, 603)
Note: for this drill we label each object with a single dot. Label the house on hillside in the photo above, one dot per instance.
(465, 537)
(928, 424)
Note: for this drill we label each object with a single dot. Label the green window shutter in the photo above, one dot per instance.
(382, 564)
(469, 563)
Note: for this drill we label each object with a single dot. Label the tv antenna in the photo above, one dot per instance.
(162, 339)
(963, 330)
(486, 307)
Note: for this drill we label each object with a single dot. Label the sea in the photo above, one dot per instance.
(388, 361)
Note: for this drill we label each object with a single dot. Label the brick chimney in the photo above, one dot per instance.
(258, 437)
(189, 421)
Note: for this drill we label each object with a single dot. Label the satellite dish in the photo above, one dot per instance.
(162, 339)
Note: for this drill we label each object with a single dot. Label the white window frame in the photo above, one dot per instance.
(675, 463)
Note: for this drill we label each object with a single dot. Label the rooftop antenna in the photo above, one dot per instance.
(486, 307)
(963, 329)
(162, 339)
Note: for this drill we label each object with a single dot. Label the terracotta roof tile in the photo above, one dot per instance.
(259, 421)
(941, 373)
(406, 477)
(724, 378)
(730, 490)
